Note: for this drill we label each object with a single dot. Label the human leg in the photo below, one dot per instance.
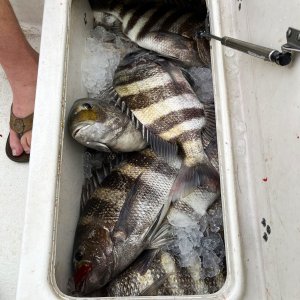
(20, 63)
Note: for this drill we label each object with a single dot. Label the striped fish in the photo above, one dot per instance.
(167, 30)
(163, 277)
(160, 98)
(119, 218)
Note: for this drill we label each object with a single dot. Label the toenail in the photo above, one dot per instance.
(14, 152)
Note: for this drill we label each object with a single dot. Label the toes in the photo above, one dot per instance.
(15, 144)
(26, 141)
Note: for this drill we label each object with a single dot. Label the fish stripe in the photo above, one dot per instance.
(126, 18)
(133, 33)
(160, 14)
(193, 151)
(126, 75)
(155, 111)
(188, 136)
(174, 28)
(188, 26)
(136, 16)
(115, 179)
(170, 120)
(186, 209)
(143, 100)
(179, 129)
(143, 85)
(169, 21)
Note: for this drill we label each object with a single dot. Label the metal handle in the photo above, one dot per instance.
(267, 54)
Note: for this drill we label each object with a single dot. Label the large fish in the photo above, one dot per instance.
(161, 100)
(165, 29)
(100, 125)
(164, 276)
(119, 219)
(160, 272)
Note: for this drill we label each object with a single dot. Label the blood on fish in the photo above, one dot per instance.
(81, 274)
(265, 179)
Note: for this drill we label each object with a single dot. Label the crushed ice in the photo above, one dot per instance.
(103, 52)
(202, 242)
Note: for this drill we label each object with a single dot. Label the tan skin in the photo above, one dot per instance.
(20, 63)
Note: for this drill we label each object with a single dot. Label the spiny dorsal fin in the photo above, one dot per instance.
(160, 146)
(209, 132)
(96, 168)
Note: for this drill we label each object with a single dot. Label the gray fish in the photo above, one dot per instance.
(119, 219)
(164, 276)
(100, 125)
(160, 272)
(167, 30)
(160, 98)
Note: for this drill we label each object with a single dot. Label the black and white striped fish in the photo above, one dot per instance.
(165, 29)
(119, 218)
(164, 276)
(162, 100)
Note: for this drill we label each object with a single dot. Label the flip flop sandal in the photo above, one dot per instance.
(20, 126)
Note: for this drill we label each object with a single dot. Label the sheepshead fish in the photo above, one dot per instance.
(190, 209)
(157, 95)
(100, 125)
(119, 219)
(164, 276)
(165, 29)
(160, 271)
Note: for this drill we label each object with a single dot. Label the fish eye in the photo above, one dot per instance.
(87, 106)
(78, 255)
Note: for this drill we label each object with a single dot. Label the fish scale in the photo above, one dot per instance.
(166, 105)
(119, 219)
(168, 30)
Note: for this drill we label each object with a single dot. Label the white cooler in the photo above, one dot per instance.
(258, 125)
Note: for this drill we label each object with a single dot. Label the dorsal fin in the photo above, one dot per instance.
(97, 166)
(209, 132)
(160, 146)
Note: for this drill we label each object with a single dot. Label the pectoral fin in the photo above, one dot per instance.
(125, 223)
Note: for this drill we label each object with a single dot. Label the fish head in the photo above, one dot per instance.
(95, 123)
(93, 259)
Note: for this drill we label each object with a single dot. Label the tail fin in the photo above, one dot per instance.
(189, 178)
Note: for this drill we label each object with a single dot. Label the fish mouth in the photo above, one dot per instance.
(79, 128)
(77, 282)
